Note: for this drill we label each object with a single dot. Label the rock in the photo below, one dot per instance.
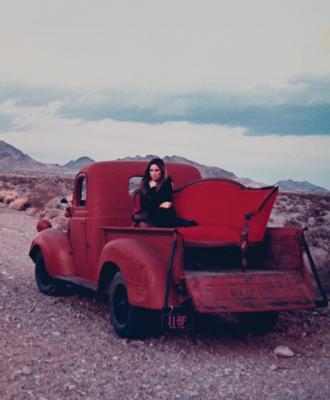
(27, 370)
(8, 196)
(283, 351)
(31, 211)
(7, 317)
(69, 386)
(190, 393)
(20, 204)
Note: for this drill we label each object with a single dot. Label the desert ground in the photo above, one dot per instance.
(65, 347)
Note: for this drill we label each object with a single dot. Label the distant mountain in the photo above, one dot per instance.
(79, 163)
(12, 159)
(206, 171)
(303, 186)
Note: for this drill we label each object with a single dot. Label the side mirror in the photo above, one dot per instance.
(64, 203)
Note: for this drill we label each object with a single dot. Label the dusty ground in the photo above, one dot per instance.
(65, 348)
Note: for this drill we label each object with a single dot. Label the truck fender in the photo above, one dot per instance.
(143, 268)
(56, 249)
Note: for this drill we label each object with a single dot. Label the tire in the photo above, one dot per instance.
(128, 320)
(45, 283)
(258, 323)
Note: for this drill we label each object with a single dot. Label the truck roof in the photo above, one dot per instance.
(181, 173)
(108, 183)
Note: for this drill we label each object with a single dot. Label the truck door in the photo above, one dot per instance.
(78, 226)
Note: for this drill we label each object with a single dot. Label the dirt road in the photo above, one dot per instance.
(65, 348)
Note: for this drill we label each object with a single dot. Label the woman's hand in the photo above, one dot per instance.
(152, 184)
(165, 204)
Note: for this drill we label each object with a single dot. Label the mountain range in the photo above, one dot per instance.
(13, 159)
(304, 186)
(75, 165)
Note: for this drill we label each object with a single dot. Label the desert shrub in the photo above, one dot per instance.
(294, 208)
(31, 211)
(324, 232)
(52, 213)
(4, 194)
(9, 197)
(20, 204)
(302, 219)
(36, 203)
(293, 222)
(320, 220)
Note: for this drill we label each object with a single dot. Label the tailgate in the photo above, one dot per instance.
(249, 291)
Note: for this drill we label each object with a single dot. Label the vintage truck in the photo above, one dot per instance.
(230, 263)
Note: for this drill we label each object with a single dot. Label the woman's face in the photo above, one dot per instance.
(155, 172)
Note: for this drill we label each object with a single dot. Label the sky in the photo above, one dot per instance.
(242, 85)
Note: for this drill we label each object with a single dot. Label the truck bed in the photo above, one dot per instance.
(276, 276)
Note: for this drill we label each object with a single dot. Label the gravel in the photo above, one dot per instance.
(65, 347)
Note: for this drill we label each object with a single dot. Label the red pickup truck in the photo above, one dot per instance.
(230, 263)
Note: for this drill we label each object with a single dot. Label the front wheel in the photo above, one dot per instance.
(46, 284)
(128, 320)
(258, 323)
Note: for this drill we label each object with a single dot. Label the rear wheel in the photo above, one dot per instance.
(46, 284)
(258, 323)
(128, 320)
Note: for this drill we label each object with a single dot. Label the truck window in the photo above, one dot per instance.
(81, 191)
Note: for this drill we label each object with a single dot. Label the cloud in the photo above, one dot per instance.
(47, 136)
(243, 85)
(154, 45)
(301, 108)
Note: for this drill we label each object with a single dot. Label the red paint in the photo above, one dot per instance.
(101, 238)
(43, 224)
(220, 206)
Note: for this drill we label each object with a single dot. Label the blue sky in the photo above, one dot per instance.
(244, 85)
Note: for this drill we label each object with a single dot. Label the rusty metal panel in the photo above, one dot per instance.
(248, 292)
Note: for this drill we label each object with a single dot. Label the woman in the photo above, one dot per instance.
(156, 199)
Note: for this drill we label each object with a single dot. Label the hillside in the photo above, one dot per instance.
(304, 186)
(13, 159)
(206, 171)
(81, 162)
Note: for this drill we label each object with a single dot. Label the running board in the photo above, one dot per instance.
(77, 280)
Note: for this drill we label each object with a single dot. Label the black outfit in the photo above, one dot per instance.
(155, 215)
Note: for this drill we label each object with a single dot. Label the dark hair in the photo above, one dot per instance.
(147, 178)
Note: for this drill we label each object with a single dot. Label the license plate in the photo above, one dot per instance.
(176, 320)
